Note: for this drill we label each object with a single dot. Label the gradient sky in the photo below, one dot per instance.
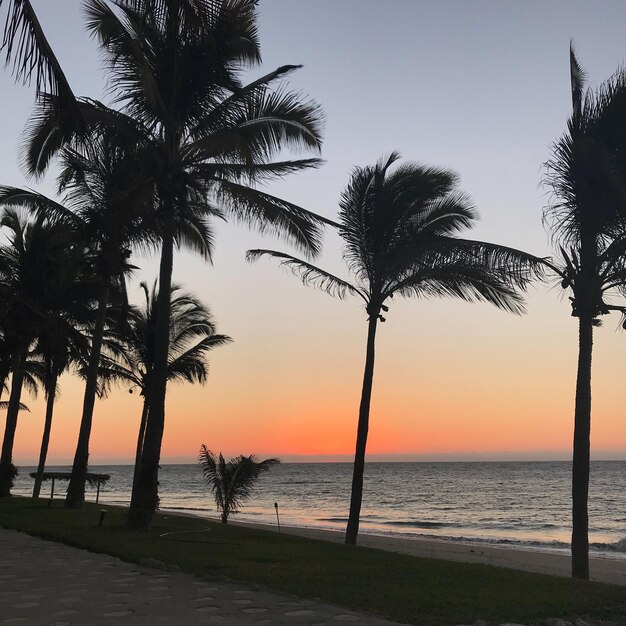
(481, 87)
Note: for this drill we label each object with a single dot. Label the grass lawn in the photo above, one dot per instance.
(397, 586)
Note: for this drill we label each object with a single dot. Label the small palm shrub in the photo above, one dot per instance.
(231, 481)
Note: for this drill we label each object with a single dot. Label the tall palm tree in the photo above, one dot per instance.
(36, 262)
(63, 341)
(53, 371)
(175, 68)
(107, 198)
(587, 219)
(399, 230)
(192, 335)
(231, 481)
(18, 259)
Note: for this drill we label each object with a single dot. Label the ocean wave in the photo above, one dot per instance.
(618, 546)
(482, 525)
(185, 508)
(417, 524)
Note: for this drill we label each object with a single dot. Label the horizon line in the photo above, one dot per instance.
(473, 457)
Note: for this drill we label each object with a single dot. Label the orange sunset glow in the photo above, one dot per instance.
(272, 396)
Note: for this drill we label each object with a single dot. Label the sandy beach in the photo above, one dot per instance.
(603, 569)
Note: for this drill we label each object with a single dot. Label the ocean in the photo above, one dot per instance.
(520, 504)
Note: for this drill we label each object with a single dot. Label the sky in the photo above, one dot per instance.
(480, 87)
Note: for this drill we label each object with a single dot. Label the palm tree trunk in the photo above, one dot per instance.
(145, 500)
(356, 496)
(140, 438)
(7, 470)
(45, 440)
(4, 374)
(76, 489)
(580, 463)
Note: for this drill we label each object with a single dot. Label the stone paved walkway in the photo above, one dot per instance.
(45, 583)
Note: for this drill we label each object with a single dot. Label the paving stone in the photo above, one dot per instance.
(300, 613)
(51, 584)
(118, 614)
(118, 594)
(65, 612)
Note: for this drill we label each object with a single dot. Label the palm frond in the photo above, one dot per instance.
(48, 131)
(577, 79)
(254, 172)
(4, 405)
(195, 234)
(265, 212)
(309, 274)
(190, 366)
(460, 280)
(27, 50)
(35, 202)
(223, 110)
(275, 120)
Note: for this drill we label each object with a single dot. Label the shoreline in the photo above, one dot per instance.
(602, 568)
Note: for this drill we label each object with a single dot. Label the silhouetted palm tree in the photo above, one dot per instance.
(399, 240)
(192, 335)
(63, 341)
(53, 371)
(36, 263)
(231, 481)
(107, 200)
(587, 218)
(19, 261)
(175, 66)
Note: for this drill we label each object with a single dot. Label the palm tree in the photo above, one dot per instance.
(63, 341)
(36, 262)
(107, 199)
(231, 482)
(53, 371)
(399, 240)
(587, 219)
(192, 335)
(175, 68)
(18, 259)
